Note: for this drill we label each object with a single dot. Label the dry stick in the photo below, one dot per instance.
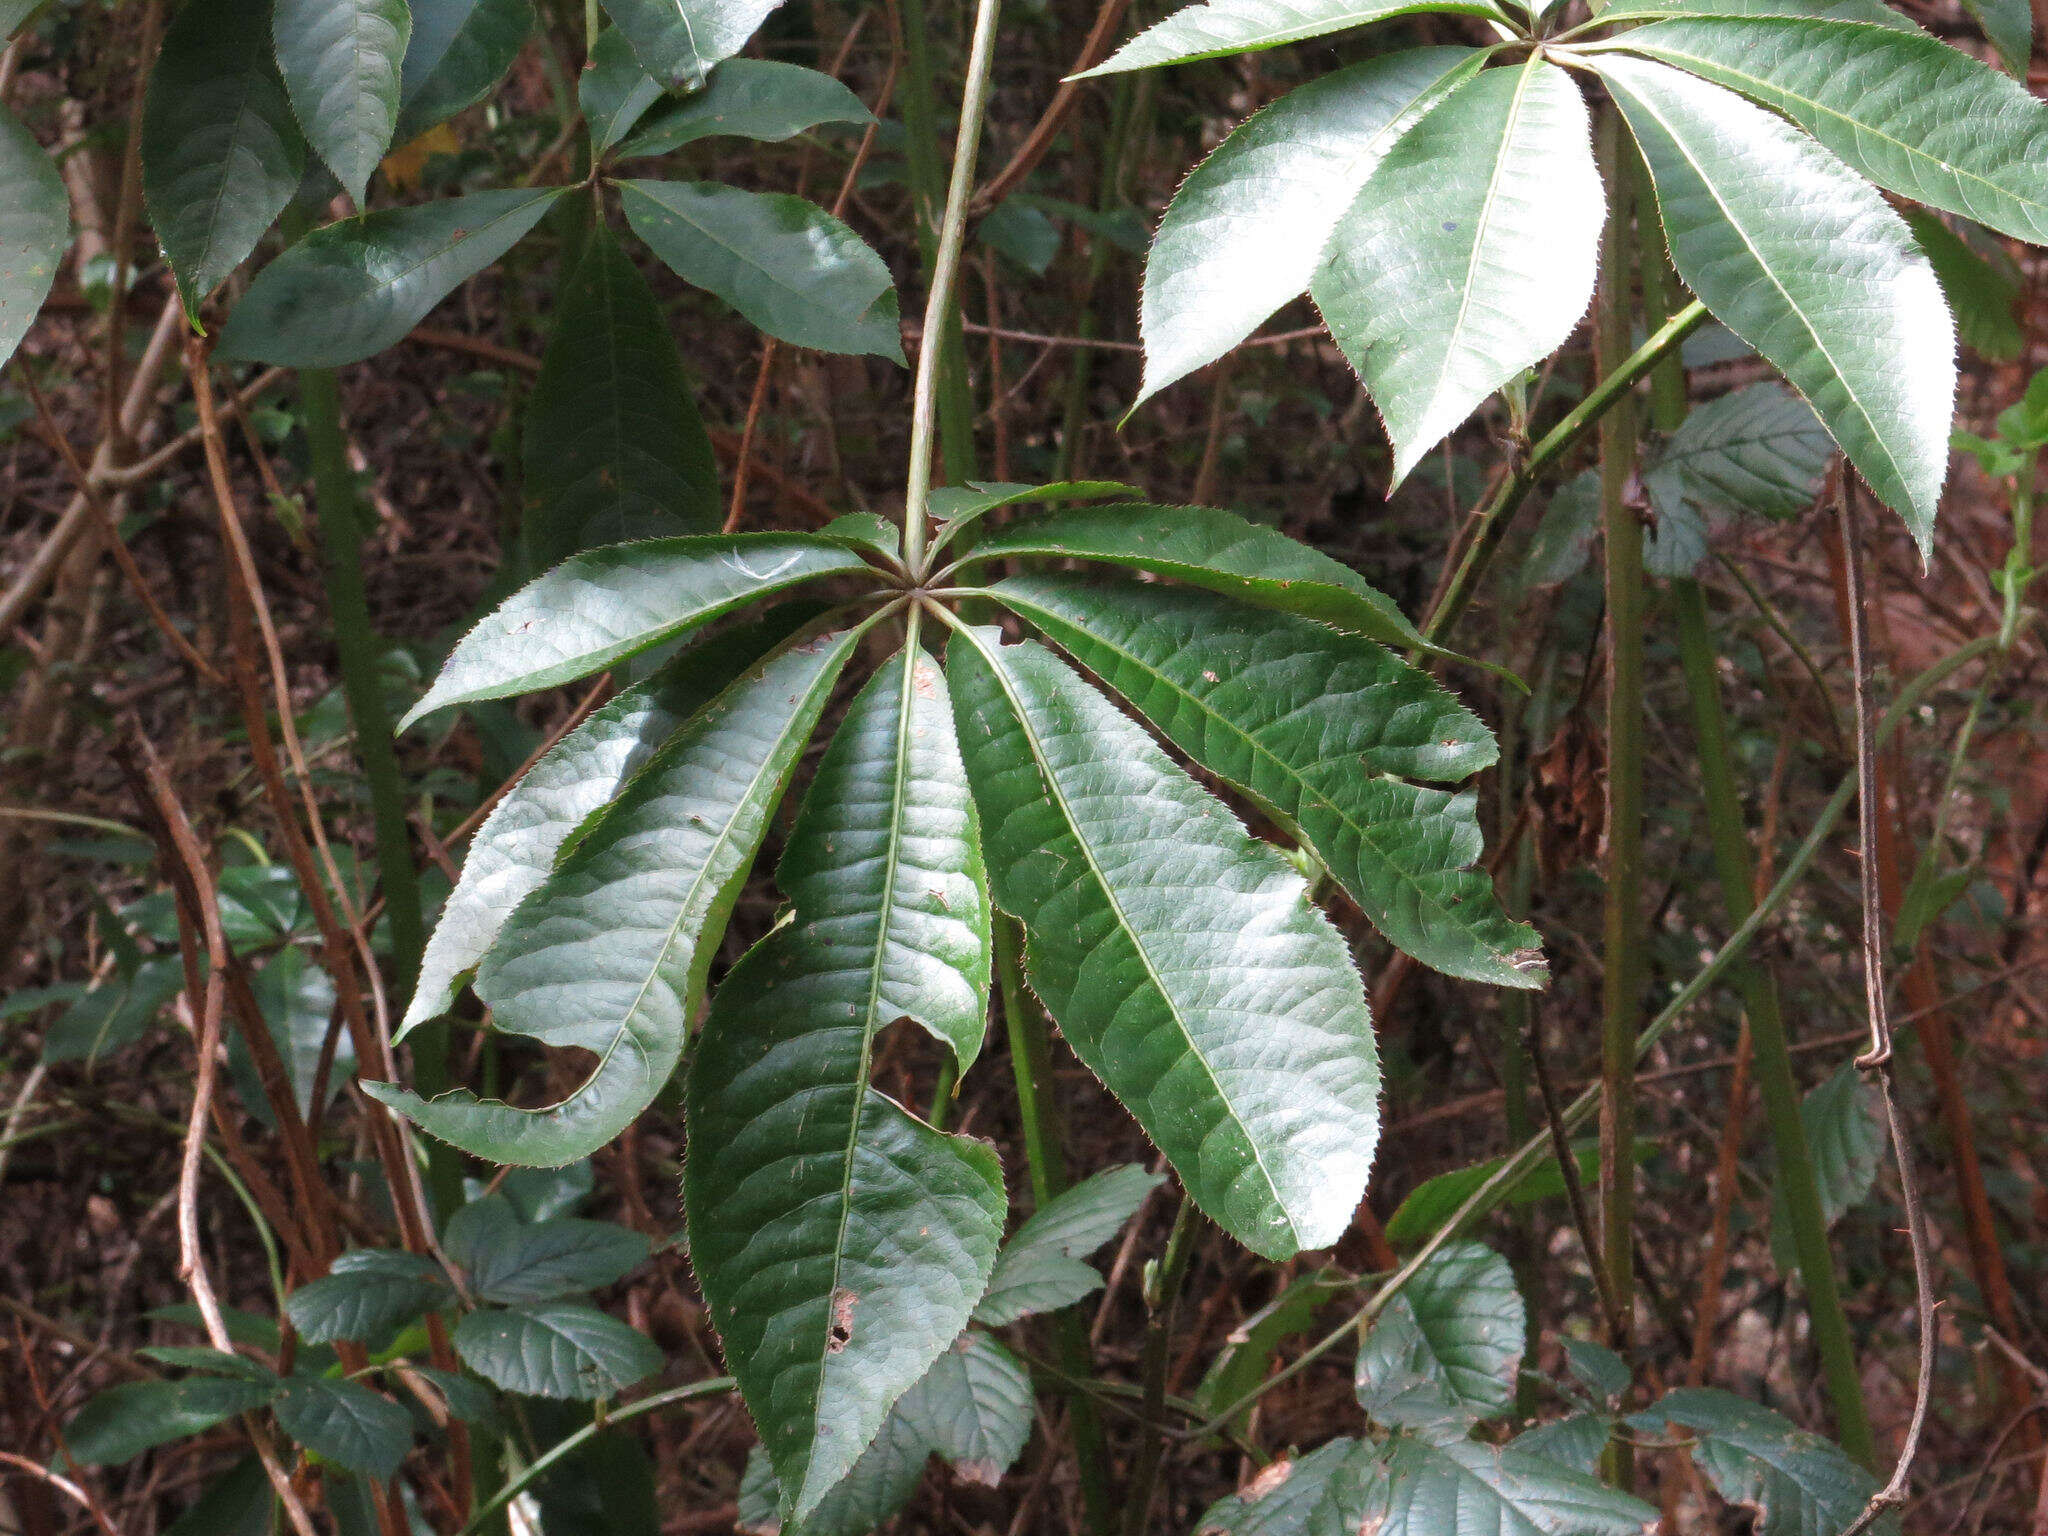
(1877, 1062)
(63, 1485)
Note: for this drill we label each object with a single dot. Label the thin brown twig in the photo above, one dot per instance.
(63, 1485)
(1047, 128)
(1574, 1186)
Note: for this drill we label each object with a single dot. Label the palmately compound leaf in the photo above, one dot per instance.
(1912, 114)
(784, 263)
(512, 1261)
(517, 846)
(340, 60)
(840, 1241)
(1209, 547)
(221, 151)
(359, 285)
(610, 953)
(1313, 723)
(1040, 1268)
(35, 227)
(614, 448)
(555, 1349)
(973, 1407)
(1216, 27)
(367, 1294)
(750, 99)
(679, 41)
(1244, 233)
(1417, 1487)
(460, 49)
(1469, 254)
(1806, 262)
(1179, 956)
(1448, 1345)
(613, 91)
(604, 606)
(345, 1422)
(1796, 1483)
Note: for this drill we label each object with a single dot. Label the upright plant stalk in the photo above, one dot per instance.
(1772, 1056)
(1622, 982)
(921, 150)
(1162, 1300)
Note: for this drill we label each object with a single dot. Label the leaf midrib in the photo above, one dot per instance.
(1056, 798)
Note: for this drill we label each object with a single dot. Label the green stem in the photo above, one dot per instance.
(1622, 959)
(1046, 1164)
(570, 1444)
(1497, 514)
(944, 341)
(1504, 1180)
(1773, 1056)
(1109, 180)
(1163, 1300)
(341, 527)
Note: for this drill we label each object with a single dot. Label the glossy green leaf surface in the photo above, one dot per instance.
(1796, 1483)
(1469, 254)
(679, 41)
(35, 229)
(359, 285)
(1448, 1346)
(750, 99)
(1574, 1441)
(610, 953)
(511, 1261)
(340, 61)
(879, 1485)
(612, 603)
(1245, 232)
(345, 1422)
(1040, 1268)
(613, 90)
(1805, 262)
(1313, 723)
(1909, 112)
(1212, 548)
(1418, 1487)
(122, 1422)
(516, 848)
(221, 151)
(1217, 27)
(840, 1241)
(555, 1349)
(614, 448)
(1874, 13)
(460, 50)
(974, 1407)
(366, 1294)
(1178, 955)
(785, 264)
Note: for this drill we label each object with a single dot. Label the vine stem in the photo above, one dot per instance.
(924, 400)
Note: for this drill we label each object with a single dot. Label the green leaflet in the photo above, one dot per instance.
(614, 448)
(519, 842)
(555, 1349)
(1845, 1136)
(1250, 1348)
(973, 1407)
(1759, 449)
(1283, 1498)
(879, 1485)
(1448, 1346)
(750, 99)
(1416, 1487)
(614, 91)
(1040, 1268)
(1222, 551)
(221, 152)
(2009, 24)
(1179, 956)
(460, 49)
(805, 1188)
(359, 285)
(1796, 1482)
(340, 61)
(1469, 254)
(610, 953)
(956, 508)
(1911, 113)
(1806, 263)
(608, 604)
(345, 1422)
(1217, 27)
(785, 264)
(1871, 12)
(122, 1422)
(512, 1261)
(1311, 721)
(1981, 285)
(1244, 233)
(367, 1294)
(35, 228)
(678, 41)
